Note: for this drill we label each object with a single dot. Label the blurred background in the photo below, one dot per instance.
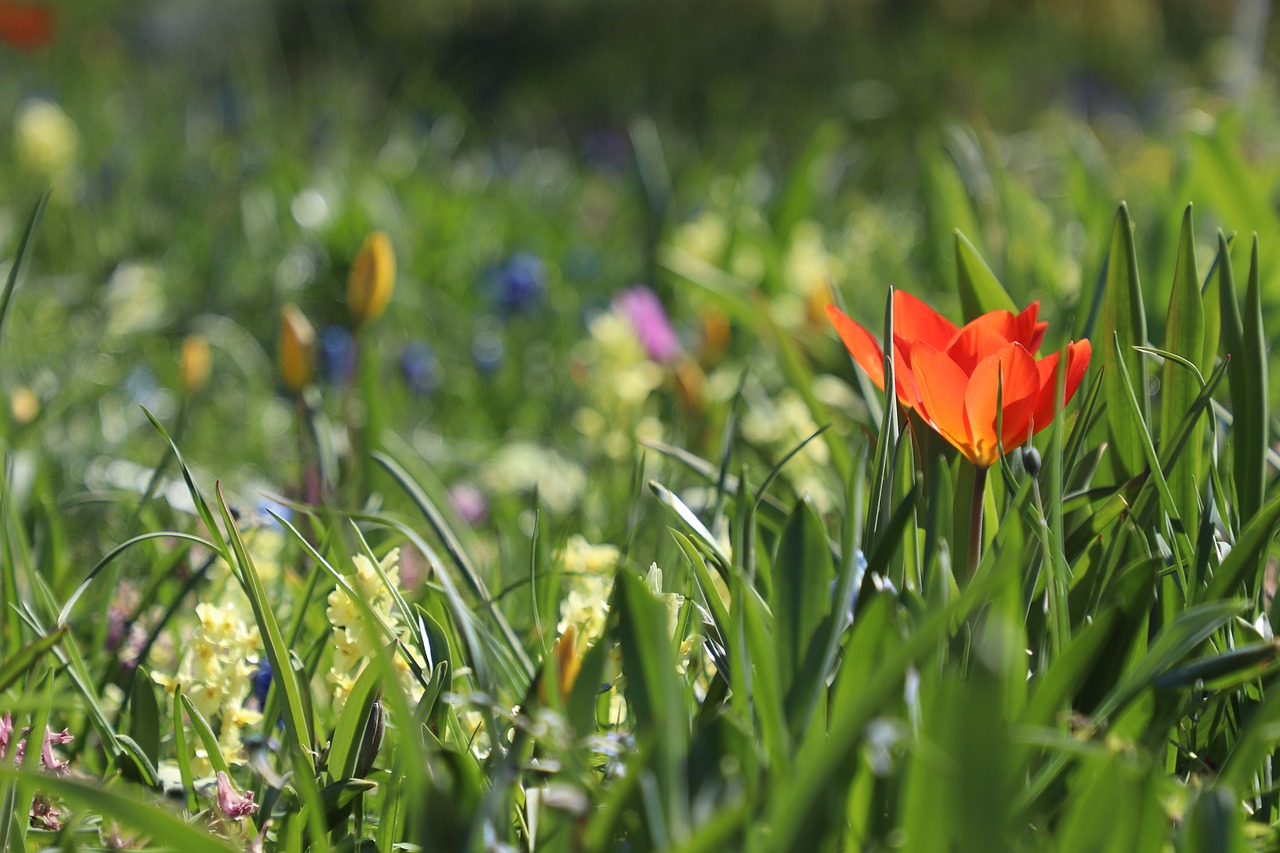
(530, 159)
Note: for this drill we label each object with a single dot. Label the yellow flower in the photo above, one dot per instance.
(372, 278)
(297, 349)
(193, 368)
(46, 139)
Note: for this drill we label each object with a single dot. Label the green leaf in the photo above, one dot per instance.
(144, 717)
(1123, 320)
(1113, 805)
(1214, 823)
(801, 599)
(344, 747)
(980, 292)
(297, 722)
(182, 752)
(1184, 335)
(701, 537)
(1175, 641)
(654, 693)
(1229, 664)
(1244, 340)
(11, 282)
(458, 554)
(823, 768)
(1244, 564)
(205, 733)
(28, 656)
(116, 552)
(1053, 690)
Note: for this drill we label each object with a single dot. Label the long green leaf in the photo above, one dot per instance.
(801, 595)
(297, 724)
(11, 282)
(980, 292)
(1250, 402)
(1184, 336)
(1123, 320)
(28, 656)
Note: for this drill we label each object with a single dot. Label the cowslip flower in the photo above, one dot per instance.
(964, 381)
(372, 278)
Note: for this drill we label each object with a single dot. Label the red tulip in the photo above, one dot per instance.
(962, 381)
(26, 26)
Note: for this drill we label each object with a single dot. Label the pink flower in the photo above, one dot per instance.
(51, 762)
(232, 803)
(642, 307)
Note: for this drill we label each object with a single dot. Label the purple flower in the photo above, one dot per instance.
(337, 354)
(231, 802)
(419, 368)
(649, 319)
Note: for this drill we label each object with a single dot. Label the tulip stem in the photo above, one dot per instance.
(975, 517)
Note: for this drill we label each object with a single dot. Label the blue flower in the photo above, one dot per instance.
(521, 283)
(337, 354)
(261, 681)
(419, 368)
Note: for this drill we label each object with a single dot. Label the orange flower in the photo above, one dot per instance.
(26, 26)
(962, 381)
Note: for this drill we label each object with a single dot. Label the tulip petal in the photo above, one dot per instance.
(942, 391)
(860, 343)
(1021, 394)
(904, 379)
(914, 320)
(1008, 381)
(976, 341)
(1078, 354)
(1029, 332)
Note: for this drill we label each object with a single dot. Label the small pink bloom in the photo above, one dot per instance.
(232, 803)
(642, 307)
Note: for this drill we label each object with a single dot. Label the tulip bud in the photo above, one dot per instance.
(372, 278)
(568, 661)
(24, 405)
(297, 349)
(193, 367)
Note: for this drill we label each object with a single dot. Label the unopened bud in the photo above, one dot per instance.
(193, 367)
(297, 349)
(371, 280)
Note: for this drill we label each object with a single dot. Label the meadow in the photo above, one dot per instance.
(414, 443)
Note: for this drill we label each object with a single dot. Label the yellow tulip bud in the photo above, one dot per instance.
(24, 405)
(297, 349)
(193, 367)
(372, 278)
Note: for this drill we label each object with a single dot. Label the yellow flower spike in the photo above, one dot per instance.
(193, 367)
(372, 278)
(297, 349)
